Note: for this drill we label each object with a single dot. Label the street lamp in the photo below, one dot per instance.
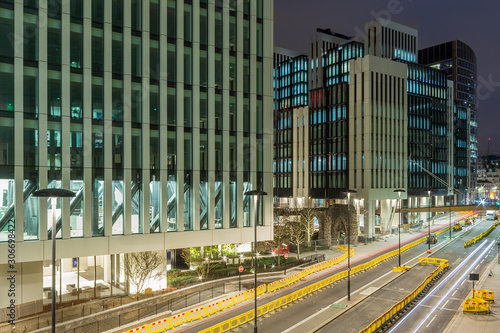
(451, 199)
(53, 193)
(256, 195)
(399, 227)
(349, 244)
(429, 224)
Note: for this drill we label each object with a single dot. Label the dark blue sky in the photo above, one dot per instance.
(475, 22)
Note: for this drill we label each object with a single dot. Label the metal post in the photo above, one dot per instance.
(451, 198)
(399, 226)
(239, 280)
(53, 193)
(256, 195)
(429, 224)
(349, 244)
(54, 231)
(256, 201)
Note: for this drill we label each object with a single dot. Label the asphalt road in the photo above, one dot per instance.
(435, 312)
(327, 304)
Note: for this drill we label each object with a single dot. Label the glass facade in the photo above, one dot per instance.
(428, 130)
(459, 62)
(141, 128)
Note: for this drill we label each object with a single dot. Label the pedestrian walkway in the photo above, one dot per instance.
(469, 322)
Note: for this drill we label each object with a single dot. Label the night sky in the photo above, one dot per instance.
(475, 22)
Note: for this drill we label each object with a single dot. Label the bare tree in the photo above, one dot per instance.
(141, 267)
(296, 232)
(281, 236)
(307, 222)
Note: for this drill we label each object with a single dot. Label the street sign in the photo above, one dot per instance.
(240, 269)
(474, 276)
(286, 255)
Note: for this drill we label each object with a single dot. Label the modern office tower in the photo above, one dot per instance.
(281, 54)
(458, 60)
(290, 111)
(387, 39)
(378, 133)
(151, 111)
(322, 41)
(329, 125)
(429, 164)
(378, 121)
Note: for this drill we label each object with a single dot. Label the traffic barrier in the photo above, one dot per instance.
(481, 236)
(178, 320)
(284, 301)
(160, 326)
(213, 308)
(377, 323)
(488, 296)
(239, 298)
(196, 314)
(227, 302)
(476, 305)
(142, 329)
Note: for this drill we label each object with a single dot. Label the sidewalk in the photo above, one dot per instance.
(469, 322)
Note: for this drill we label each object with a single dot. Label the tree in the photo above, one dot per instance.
(307, 223)
(297, 233)
(281, 237)
(141, 267)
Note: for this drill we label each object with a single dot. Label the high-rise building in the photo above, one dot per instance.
(151, 111)
(378, 121)
(458, 60)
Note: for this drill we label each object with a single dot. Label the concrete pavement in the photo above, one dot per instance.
(468, 322)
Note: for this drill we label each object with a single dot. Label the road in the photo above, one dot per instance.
(437, 309)
(372, 286)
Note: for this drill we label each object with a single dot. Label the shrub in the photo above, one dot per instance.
(182, 280)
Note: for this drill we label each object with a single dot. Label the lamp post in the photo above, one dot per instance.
(53, 193)
(429, 223)
(399, 227)
(349, 244)
(256, 195)
(451, 199)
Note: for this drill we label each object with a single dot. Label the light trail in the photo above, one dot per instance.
(438, 286)
(449, 290)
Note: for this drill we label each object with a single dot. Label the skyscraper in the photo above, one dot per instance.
(458, 60)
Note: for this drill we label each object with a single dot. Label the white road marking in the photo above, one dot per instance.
(454, 293)
(463, 282)
(431, 320)
(444, 304)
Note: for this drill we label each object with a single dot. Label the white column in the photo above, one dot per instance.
(65, 115)
(108, 122)
(18, 121)
(127, 118)
(145, 135)
(42, 113)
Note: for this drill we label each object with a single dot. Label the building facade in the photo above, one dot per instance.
(380, 121)
(458, 60)
(146, 109)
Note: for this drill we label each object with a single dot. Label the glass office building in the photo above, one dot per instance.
(151, 111)
(459, 62)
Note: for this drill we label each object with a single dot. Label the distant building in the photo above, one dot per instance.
(458, 60)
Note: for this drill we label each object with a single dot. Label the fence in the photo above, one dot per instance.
(481, 236)
(392, 312)
(153, 306)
